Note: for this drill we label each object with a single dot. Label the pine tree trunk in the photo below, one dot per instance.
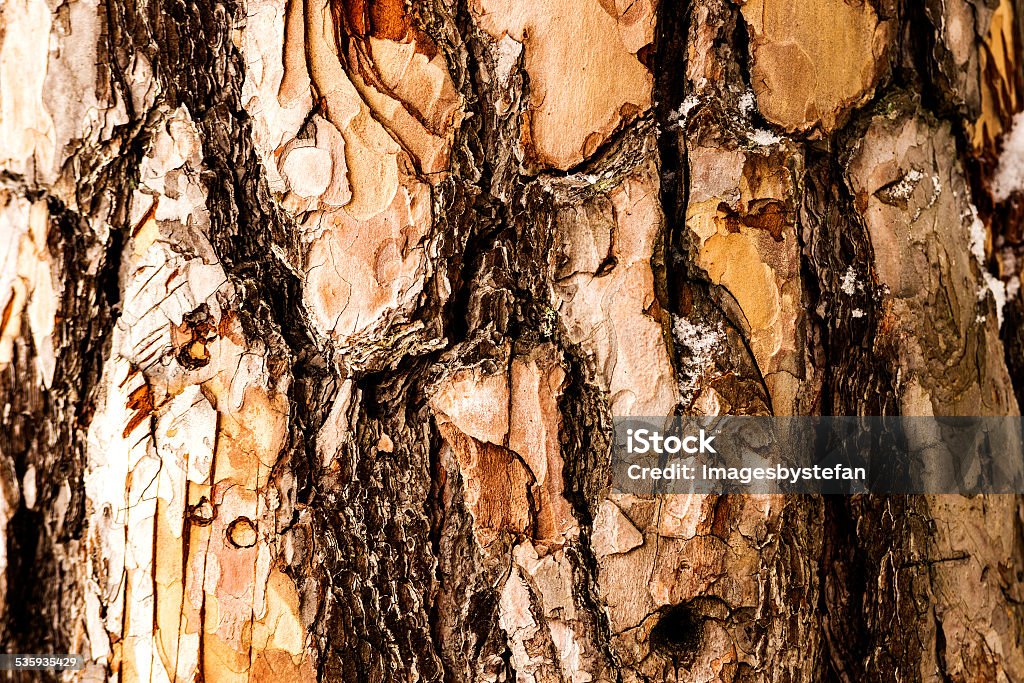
(315, 315)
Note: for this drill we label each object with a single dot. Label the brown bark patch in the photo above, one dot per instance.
(770, 216)
(497, 486)
(812, 61)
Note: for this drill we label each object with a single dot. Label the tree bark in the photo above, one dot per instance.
(316, 313)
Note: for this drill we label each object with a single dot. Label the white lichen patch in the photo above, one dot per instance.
(700, 342)
(1009, 175)
(990, 283)
(849, 283)
(905, 187)
(747, 103)
(903, 191)
(764, 138)
(679, 116)
(757, 137)
(1013, 287)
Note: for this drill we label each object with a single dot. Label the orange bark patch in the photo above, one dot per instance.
(585, 78)
(770, 216)
(141, 401)
(497, 485)
(812, 61)
(378, 18)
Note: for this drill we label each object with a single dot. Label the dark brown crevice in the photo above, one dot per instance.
(1014, 332)
(46, 430)
(678, 632)
(669, 67)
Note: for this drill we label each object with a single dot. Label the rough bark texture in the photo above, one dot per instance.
(314, 315)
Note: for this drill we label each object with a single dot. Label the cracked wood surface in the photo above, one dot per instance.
(314, 315)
